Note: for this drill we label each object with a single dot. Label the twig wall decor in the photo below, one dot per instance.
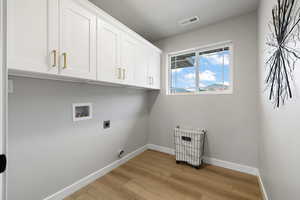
(282, 48)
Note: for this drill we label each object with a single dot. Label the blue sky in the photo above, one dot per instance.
(211, 72)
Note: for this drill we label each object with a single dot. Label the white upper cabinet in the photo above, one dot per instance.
(78, 41)
(32, 35)
(154, 69)
(108, 52)
(73, 39)
(141, 67)
(129, 48)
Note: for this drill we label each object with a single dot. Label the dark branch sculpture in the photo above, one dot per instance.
(282, 43)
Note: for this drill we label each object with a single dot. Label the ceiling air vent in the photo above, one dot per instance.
(189, 21)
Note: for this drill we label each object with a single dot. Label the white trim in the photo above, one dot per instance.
(161, 149)
(207, 46)
(2, 88)
(213, 161)
(262, 188)
(89, 105)
(57, 77)
(230, 165)
(201, 93)
(94, 176)
(3, 95)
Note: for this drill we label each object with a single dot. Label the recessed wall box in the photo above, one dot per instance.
(106, 124)
(82, 111)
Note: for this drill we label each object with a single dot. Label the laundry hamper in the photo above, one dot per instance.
(189, 146)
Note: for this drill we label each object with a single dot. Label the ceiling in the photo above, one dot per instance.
(157, 19)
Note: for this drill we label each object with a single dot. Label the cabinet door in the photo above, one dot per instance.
(108, 52)
(128, 57)
(154, 69)
(141, 67)
(78, 41)
(32, 35)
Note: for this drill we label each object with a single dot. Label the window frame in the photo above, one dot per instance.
(197, 50)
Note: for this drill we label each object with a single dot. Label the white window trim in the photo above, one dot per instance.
(197, 50)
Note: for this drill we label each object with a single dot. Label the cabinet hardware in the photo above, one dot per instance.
(119, 73)
(54, 58)
(124, 74)
(65, 60)
(151, 80)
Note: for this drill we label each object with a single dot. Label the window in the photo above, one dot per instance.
(201, 71)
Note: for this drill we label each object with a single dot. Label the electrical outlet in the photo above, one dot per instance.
(106, 124)
(121, 153)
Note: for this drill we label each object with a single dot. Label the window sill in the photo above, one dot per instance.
(228, 92)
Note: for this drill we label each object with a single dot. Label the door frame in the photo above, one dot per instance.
(3, 94)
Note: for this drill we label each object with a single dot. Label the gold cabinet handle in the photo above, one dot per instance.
(119, 73)
(150, 80)
(54, 58)
(124, 74)
(65, 60)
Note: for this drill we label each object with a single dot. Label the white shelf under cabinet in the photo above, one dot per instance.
(36, 75)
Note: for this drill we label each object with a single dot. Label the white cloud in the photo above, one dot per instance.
(207, 75)
(217, 59)
(202, 85)
(226, 83)
(189, 76)
(177, 70)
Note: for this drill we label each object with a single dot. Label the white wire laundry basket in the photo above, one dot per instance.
(189, 146)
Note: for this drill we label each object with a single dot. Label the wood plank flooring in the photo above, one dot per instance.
(155, 176)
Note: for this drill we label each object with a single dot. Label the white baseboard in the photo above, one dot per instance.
(230, 165)
(262, 188)
(212, 161)
(94, 176)
(161, 149)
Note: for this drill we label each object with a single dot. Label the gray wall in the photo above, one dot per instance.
(232, 120)
(48, 152)
(280, 138)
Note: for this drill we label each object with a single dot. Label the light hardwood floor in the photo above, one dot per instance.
(155, 176)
